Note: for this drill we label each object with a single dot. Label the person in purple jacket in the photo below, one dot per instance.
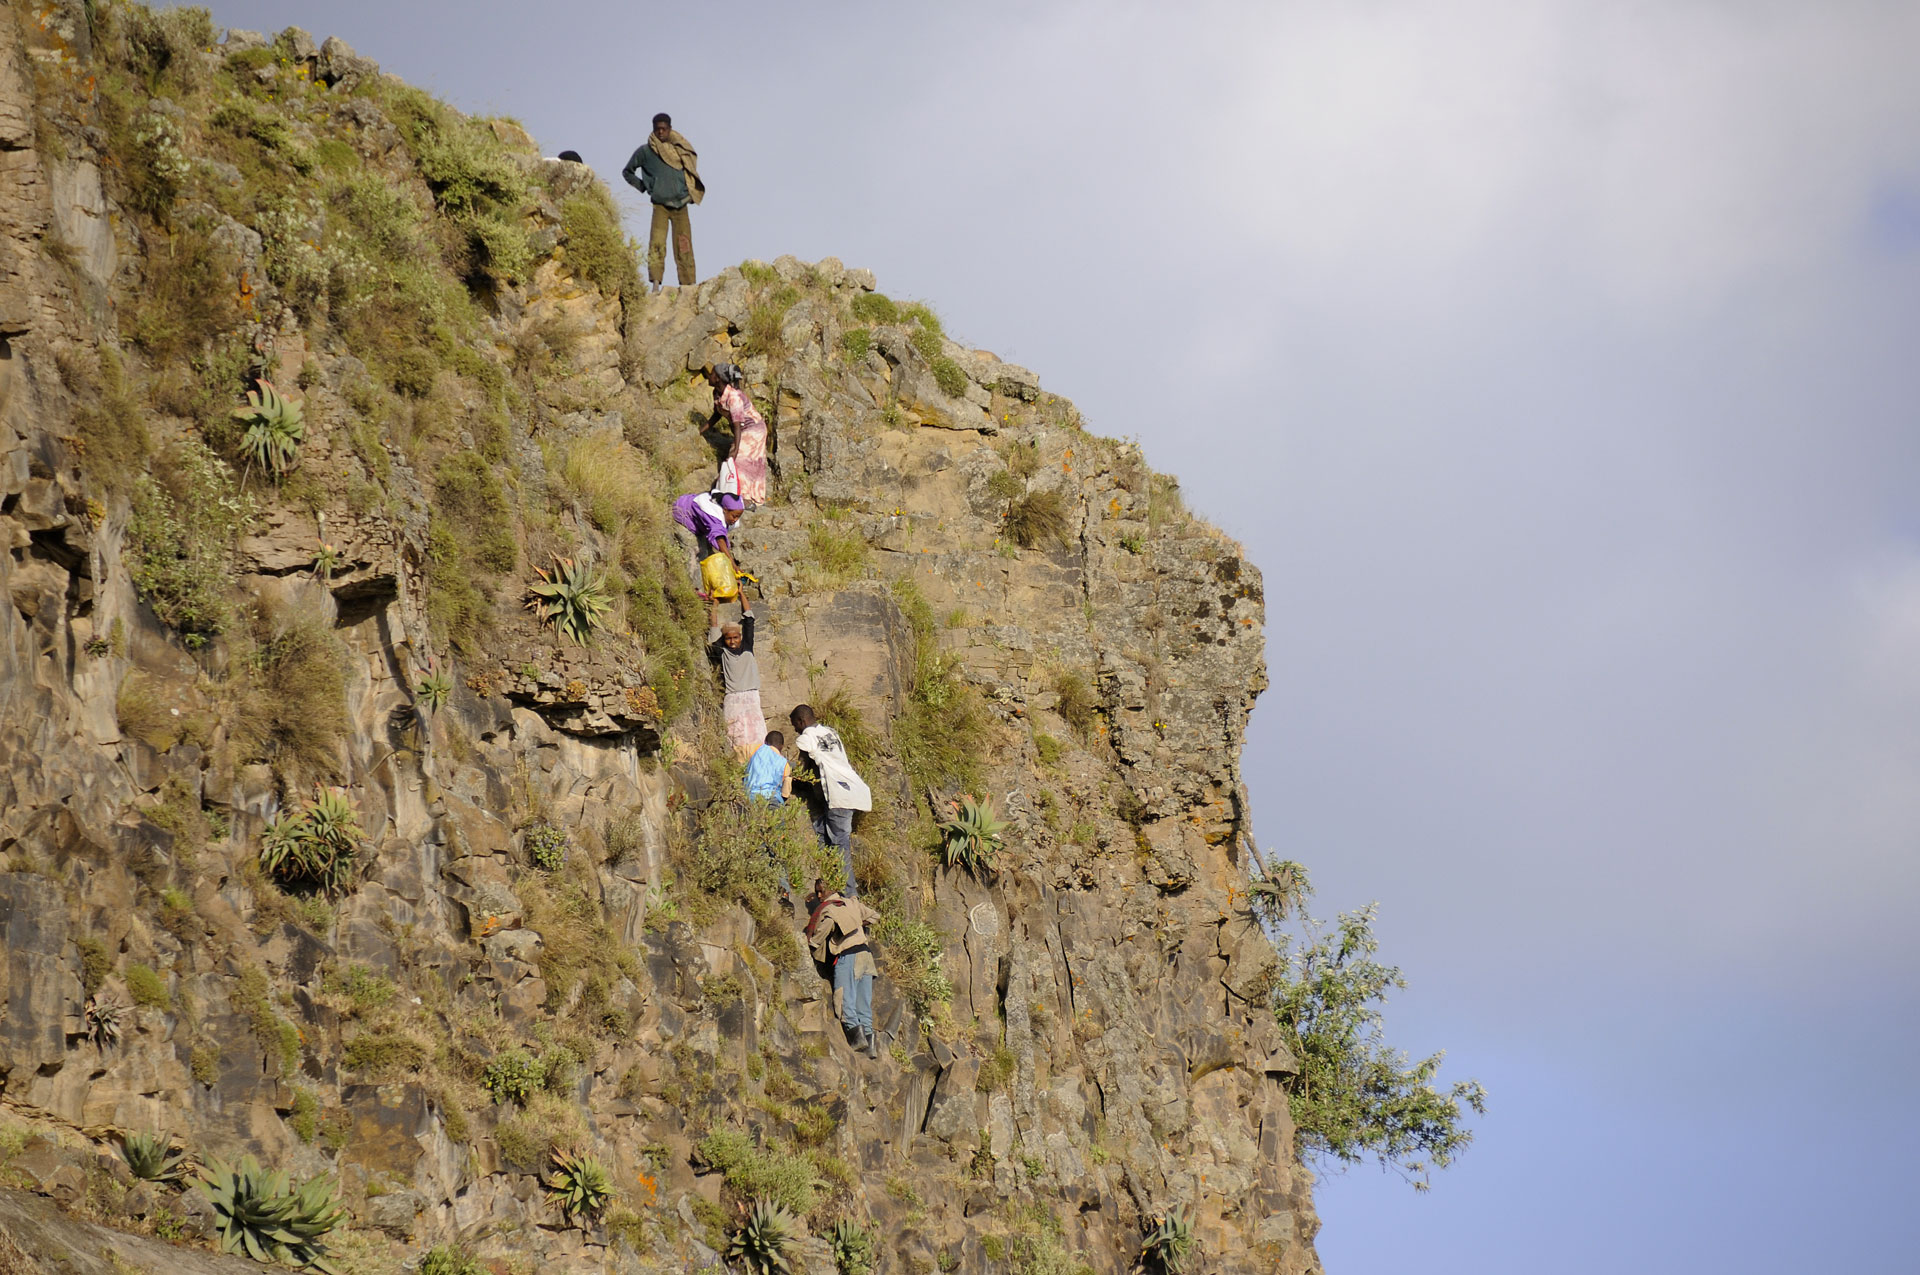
(706, 518)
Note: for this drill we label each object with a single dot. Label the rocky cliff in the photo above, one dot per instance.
(546, 937)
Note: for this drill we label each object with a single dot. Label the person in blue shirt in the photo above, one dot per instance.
(769, 776)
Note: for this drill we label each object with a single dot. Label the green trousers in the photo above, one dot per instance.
(682, 245)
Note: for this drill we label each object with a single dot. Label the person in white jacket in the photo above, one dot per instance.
(842, 786)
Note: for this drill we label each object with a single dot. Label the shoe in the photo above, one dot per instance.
(873, 1045)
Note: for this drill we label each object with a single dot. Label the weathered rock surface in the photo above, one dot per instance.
(1109, 973)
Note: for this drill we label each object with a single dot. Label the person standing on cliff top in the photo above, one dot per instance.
(666, 170)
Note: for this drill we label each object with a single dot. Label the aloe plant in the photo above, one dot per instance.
(1170, 1242)
(103, 1021)
(852, 1245)
(314, 845)
(764, 1239)
(1275, 890)
(258, 1215)
(573, 598)
(579, 1185)
(152, 1157)
(276, 426)
(971, 836)
(433, 691)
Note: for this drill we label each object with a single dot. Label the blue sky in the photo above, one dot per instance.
(1555, 362)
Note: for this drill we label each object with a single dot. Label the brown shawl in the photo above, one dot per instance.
(679, 153)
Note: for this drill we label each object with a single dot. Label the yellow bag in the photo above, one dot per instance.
(716, 573)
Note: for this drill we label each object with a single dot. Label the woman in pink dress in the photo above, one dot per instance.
(744, 472)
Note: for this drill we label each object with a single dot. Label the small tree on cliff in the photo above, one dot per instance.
(1355, 1096)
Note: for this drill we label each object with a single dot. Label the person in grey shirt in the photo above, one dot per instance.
(731, 646)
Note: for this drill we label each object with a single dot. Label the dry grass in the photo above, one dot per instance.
(1039, 517)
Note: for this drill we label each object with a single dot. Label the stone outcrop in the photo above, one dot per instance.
(1105, 1055)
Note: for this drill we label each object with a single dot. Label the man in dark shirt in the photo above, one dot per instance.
(666, 170)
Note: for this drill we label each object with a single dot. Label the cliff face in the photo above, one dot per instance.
(985, 596)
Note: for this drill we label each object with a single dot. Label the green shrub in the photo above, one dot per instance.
(147, 988)
(597, 250)
(875, 307)
(926, 342)
(365, 990)
(1077, 705)
(95, 964)
(1353, 1095)
(770, 1173)
(909, 954)
(304, 1118)
(468, 495)
(742, 849)
(922, 316)
(186, 519)
(840, 711)
(160, 45)
(546, 847)
(302, 705)
(384, 1054)
(856, 343)
(943, 731)
(996, 1072)
(512, 1075)
(948, 375)
(1047, 749)
(186, 297)
(450, 1259)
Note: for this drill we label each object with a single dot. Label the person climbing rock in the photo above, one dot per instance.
(744, 472)
(705, 520)
(841, 785)
(837, 931)
(731, 647)
(665, 169)
(770, 776)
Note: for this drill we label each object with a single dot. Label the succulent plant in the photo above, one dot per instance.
(433, 691)
(579, 1185)
(314, 845)
(970, 836)
(1169, 1242)
(763, 1240)
(276, 426)
(152, 1157)
(572, 598)
(853, 1246)
(103, 1021)
(257, 1214)
(1275, 890)
(326, 561)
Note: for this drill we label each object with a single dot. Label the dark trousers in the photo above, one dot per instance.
(836, 829)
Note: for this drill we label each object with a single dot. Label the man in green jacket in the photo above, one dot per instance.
(666, 170)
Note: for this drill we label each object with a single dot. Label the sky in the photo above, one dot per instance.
(1555, 362)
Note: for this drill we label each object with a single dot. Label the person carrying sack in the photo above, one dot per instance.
(837, 931)
(705, 521)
